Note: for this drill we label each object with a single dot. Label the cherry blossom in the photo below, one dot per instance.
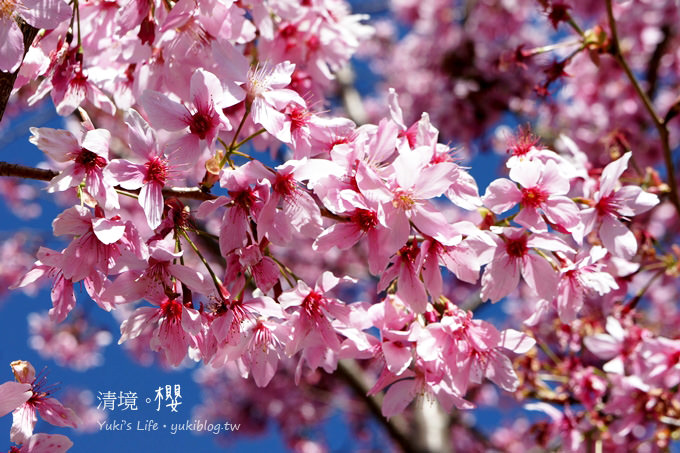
(46, 14)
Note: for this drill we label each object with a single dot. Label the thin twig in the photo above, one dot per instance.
(658, 122)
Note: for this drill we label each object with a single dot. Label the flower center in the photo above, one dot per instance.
(200, 125)
(89, 160)
(284, 185)
(7, 8)
(533, 197)
(365, 219)
(517, 247)
(156, 170)
(403, 200)
(244, 198)
(313, 303)
(298, 115)
(258, 82)
(172, 310)
(607, 205)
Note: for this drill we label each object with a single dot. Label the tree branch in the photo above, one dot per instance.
(21, 171)
(396, 426)
(7, 79)
(658, 122)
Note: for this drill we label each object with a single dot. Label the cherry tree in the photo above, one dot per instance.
(230, 196)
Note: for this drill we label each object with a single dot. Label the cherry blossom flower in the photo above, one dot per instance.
(582, 276)
(171, 325)
(311, 323)
(150, 176)
(25, 414)
(267, 95)
(199, 124)
(513, 257)
(88, 158)
(46, 14)
(611, 203)
(542, 187)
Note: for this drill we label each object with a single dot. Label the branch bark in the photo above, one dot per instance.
(353, 375)
(659, 123)
(7, 79)
(21, 171)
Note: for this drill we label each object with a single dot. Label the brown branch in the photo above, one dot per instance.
(396, 426)
(21, 171)
(7, 79)
(658, 122)
(652, 75)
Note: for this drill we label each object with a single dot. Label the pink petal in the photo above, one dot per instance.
(47, 443)
(529, 217)
(205, 89)
(263, 365)
(411, 289)
(269, 118)
(130, 176)
(53, 412)
(63, 299)
(342, 235)
(151, 200)
(398, 397)
(397, 358)
(73, 221)
(24, 419)
(602, 345)
(500, 278)
(137, 323)
(163, 112)
(562, 211)
(540, 275)
(617, 238)
(501, 195)
(432, 222)
(434, 180)
(13, 395)
(517, 342)
(612, 173)
(231, 62)
(46, 14)
(528, 173)
(194, 280)
(499, 370)
(56, 143)
(108, 231)
(97, 141)
(11, 45)
(553, 179)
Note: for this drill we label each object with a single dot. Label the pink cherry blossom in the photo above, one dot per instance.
(46, 14)
(542, 187)
(612, 203)
(171, 325)
(267, 95)
(200, 123)
(151, 176)
(25, 414)
(513, 257)
(87, 159)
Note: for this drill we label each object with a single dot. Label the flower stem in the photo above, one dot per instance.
(216, 281)
(658, 122)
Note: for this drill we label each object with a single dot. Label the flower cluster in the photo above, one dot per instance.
(345, 242)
